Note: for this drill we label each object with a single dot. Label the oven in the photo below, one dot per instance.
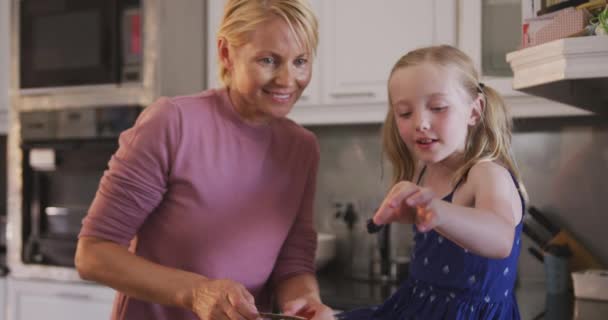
(65, 153)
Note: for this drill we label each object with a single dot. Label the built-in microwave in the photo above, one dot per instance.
(75, 42)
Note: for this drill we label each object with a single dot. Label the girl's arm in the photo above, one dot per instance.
(487, 228)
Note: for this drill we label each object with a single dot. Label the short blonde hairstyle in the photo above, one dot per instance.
(241, 17)
(489, 140)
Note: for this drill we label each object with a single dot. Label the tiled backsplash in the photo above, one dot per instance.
(564, 167)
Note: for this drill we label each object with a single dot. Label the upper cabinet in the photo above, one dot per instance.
(360, 40)
(4, 64)
(487, 31)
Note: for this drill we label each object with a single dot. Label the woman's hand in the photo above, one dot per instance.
(408, 203)
(309, 309)
(223, 299)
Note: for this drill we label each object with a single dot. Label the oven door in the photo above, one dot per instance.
(60, 182)
(69, 42)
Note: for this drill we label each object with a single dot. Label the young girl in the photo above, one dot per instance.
(448, 138)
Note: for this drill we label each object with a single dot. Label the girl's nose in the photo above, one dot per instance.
(422, 124)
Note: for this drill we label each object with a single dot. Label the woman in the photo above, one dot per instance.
(206, 209)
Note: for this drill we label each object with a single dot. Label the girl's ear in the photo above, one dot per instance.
(224, 52)
(478, 107)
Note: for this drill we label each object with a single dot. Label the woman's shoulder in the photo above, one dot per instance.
(296, 132)
(194, 102)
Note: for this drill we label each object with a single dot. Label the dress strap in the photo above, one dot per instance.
(451, 194)
(421, 174)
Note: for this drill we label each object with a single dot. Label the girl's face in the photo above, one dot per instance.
(432, 111)
(268, 73)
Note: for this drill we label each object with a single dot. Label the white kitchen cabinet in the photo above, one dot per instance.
(487, 31)
(35, 299)
(4, 64)
(360, 40)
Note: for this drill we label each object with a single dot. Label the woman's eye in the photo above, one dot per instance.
(405, 114)
(438, 109)
(267, 60)
(300, 62)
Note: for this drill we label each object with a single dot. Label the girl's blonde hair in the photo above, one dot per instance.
(488, 140)
(241, 17)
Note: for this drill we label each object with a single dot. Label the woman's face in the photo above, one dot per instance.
(268, 73)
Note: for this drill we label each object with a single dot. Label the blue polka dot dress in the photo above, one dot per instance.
(449, 282)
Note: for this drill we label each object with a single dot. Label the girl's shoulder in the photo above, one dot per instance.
(490, 175)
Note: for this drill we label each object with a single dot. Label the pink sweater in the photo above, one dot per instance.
(205, 192)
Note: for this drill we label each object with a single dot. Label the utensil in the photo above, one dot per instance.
(278, 316)
(581, 258)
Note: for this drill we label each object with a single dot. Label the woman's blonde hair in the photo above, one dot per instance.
(241, 17)
(488, 140)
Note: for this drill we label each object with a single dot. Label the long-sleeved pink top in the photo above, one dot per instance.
(203, 191)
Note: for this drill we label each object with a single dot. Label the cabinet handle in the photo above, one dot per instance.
(340, 95)
(71, 295)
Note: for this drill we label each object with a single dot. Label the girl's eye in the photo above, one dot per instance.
(438, 109)
(405, 115)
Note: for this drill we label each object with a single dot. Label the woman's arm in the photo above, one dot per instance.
(112, 264)
(299, 295)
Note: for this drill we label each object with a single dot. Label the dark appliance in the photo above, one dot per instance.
(79, 42)
(65, 153)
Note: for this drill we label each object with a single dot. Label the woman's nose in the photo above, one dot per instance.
(284, 76)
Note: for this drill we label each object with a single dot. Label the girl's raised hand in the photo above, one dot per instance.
(426, 216)
(394, 208)
(408, 203)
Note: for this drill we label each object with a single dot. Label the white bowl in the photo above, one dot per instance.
(326, 249)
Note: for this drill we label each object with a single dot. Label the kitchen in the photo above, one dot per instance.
(562, 151)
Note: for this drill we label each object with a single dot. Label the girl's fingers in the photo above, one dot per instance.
(425, 219)
(421, 198)
(390, 209)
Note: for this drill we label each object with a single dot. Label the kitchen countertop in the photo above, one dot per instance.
(343, 293)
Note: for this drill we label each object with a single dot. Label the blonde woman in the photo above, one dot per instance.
(448, 138)
(205, 211)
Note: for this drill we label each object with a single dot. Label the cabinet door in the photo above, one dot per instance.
(33, 300)
(362, 40)
(488, 30)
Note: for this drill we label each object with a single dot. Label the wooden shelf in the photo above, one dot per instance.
(573, 71)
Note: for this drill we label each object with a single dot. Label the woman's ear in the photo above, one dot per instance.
(224, 53)
(478, 107)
